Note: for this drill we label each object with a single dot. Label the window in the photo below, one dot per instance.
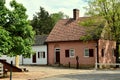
(66, 53)
(69, 53)
(86, 53)
(38, 54)
(103, 52)
(89, 52)
(114, 52)
(72, 52)
(41, 54)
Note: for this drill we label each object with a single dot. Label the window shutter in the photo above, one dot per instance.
(38, 54)
(66, 53)
(114, 52)
(102, 52)
(91, 53)
(43, 54)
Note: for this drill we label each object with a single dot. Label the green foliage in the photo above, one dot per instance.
(93, 27)
(87, 22)
(42, 22)
(57, 16)
(5, 41)
(108, 10)
(18, 29)
(3, 13)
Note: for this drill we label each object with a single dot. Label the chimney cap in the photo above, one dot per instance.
(76, 9)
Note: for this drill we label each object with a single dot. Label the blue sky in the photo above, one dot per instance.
(52, 6)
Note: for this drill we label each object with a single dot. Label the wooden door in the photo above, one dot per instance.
(34, 58)
(58, 57)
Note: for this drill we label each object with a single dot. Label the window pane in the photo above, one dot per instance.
(114, 52)
(86, 53)
(72, 52)
(41, 54)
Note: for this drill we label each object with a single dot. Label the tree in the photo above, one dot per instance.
(57, 16)
(3, 13)
(94, 27)
(42, 22)
(16, 30)
(5, 41)
(109, 10)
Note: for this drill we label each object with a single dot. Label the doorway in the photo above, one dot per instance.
(34, 58)
(57, 56)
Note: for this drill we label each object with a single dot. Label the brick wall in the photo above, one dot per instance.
(79, 51)
(109, 54)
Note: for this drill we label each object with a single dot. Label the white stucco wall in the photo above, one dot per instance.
(9, 59)
(39, 61)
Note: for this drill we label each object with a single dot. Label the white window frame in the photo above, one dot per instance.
(41, 54)
(55, 50)
(85, 52)
(72, 51)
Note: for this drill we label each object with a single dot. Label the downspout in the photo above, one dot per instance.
(47, 55)
(97, 55)
(117, 54)
(97, 52)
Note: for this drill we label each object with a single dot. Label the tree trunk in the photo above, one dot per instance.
(17, 61)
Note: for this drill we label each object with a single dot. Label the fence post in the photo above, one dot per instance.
(96, 66)
(77, 63)
(69, 64)
(11, 70)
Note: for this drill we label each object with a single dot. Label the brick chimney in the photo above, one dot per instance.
(75, 14)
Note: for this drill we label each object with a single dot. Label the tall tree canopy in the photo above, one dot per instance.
(94, 27)
(57, 16)
(5, 41)
(42, 22)
(17, 31)
(109, 10)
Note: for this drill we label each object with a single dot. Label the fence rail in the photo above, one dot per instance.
(1, 69)
(109, 64)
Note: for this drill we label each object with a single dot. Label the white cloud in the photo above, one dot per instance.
(52, 6)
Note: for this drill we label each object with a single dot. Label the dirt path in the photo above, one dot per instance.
(38, 72)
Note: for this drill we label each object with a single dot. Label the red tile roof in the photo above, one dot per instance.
(66, 30)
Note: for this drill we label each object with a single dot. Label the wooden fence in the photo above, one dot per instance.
(107, 64)
(1, 70)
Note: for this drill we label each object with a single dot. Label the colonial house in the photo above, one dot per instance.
(66, 48)
(40, 56)
(40, 49)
